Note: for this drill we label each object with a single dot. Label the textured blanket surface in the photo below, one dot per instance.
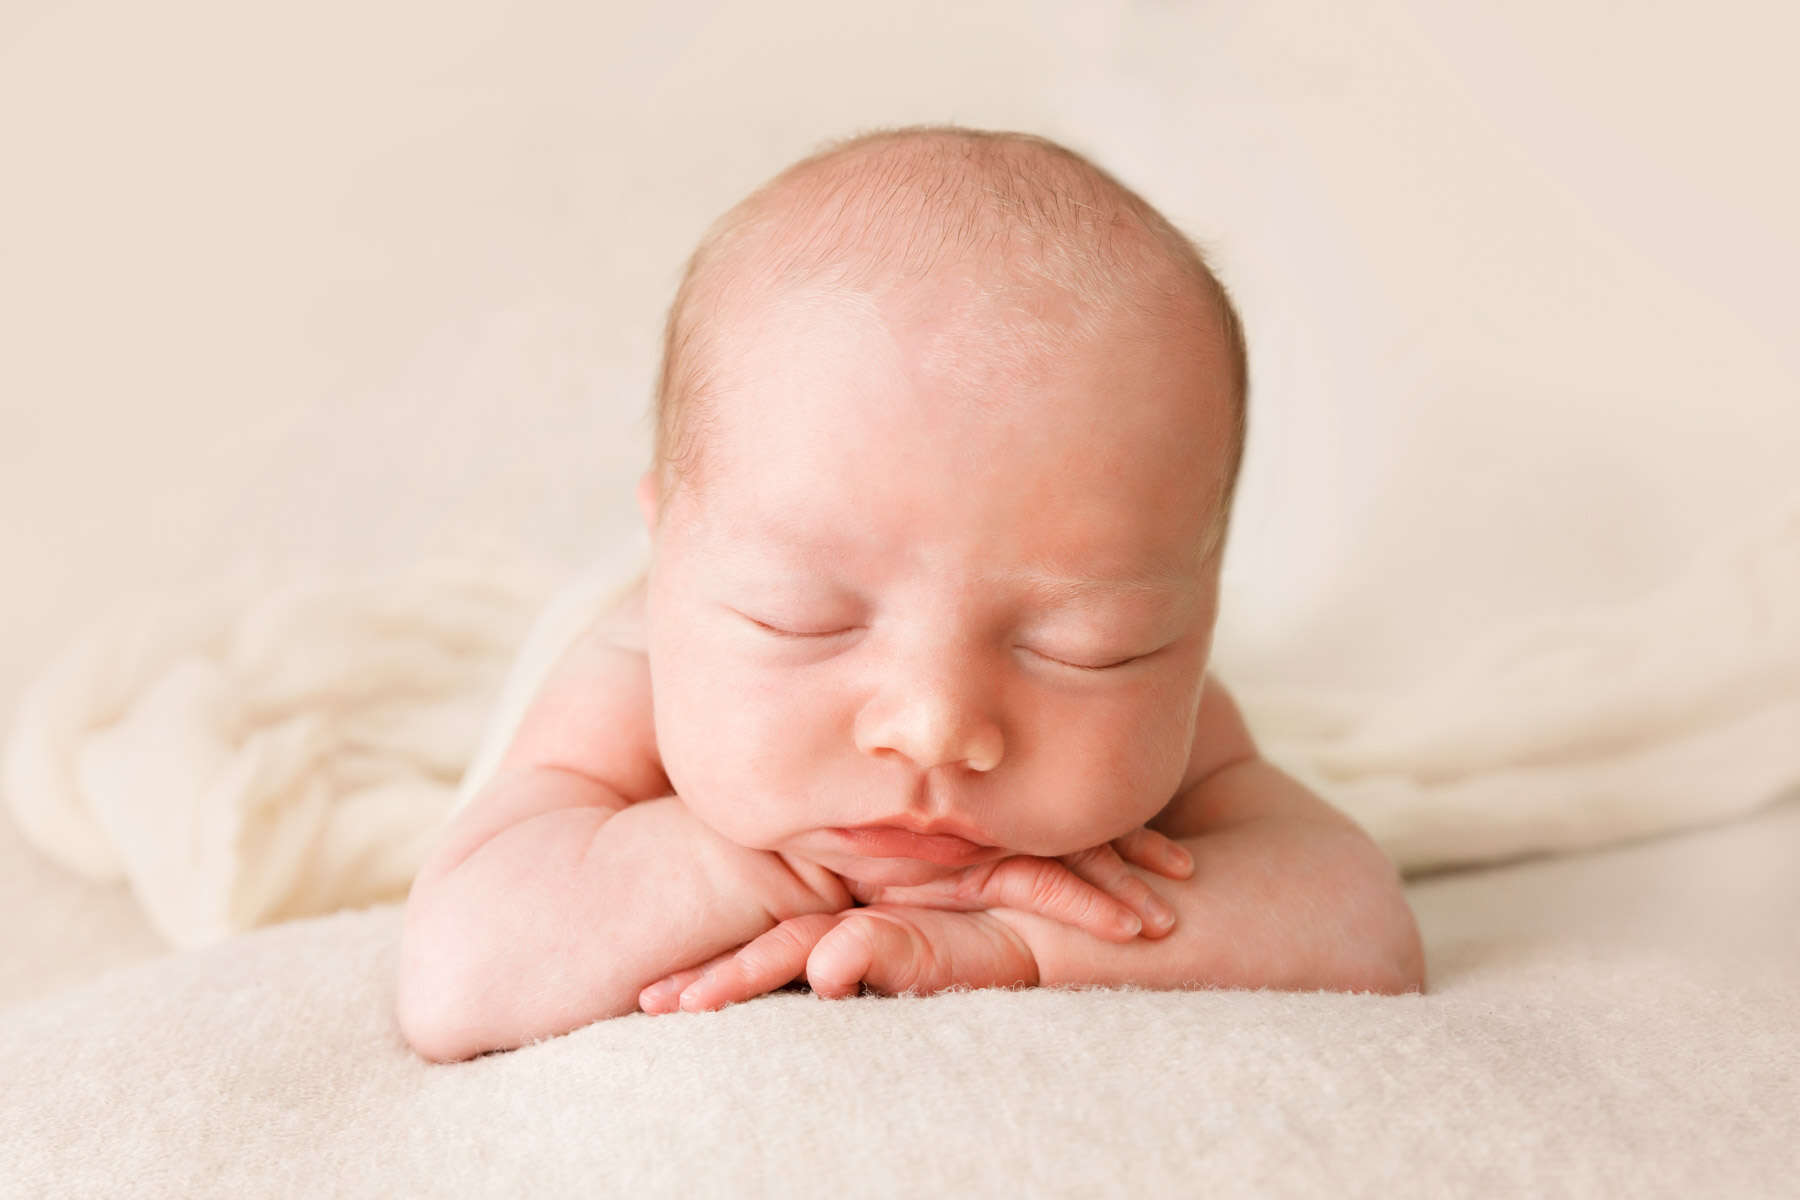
(1617, 1023)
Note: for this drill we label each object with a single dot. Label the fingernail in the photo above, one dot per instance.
(1181, 858)
(655, 993)
(1129, 923)
(1161, 915)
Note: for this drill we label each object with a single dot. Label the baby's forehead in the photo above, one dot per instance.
(955, 349)
(975, 328)
(993, 266)
(1022, 462)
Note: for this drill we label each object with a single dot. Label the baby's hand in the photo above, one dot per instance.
(892, 948)
(926, 937)
(1090, 889)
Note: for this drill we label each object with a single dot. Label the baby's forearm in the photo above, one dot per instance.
(1275, 903)
(560, 920)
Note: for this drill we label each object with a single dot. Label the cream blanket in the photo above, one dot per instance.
(1610, 1024)
(262, 752)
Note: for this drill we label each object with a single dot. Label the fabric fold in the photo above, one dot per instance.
(271, 748)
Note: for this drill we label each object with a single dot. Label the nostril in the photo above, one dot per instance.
(983, 751)
(931, 730)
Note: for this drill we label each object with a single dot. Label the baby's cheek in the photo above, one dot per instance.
(728, 805)
(724, 763)
(1060, 812)
(1132, 777)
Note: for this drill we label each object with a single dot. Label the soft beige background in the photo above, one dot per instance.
(357, 281)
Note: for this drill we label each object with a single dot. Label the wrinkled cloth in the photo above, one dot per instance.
(244, 757)
(1678, 709)
(265, 749)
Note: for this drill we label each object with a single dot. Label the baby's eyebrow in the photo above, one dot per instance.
(1043, 581)
(1053, 588)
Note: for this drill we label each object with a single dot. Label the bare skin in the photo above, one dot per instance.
(788, 951)
(914, 590)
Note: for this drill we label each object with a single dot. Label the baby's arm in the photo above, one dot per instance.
(926, 937)
(574, 878)
(1286, 892)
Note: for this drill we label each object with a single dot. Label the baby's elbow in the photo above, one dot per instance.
(435, 1009)
(1402, 960)
(1412, 959)
(1384, 951)
(1402, 969)
(432, 1031)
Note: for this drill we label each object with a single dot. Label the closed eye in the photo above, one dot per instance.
(1084, 667)
(788, 633)
(777, 631)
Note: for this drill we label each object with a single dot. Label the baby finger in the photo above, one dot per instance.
(664, 995)
(868, 946)
(1146, 848)
(1103, 868)
(1047, 886)
(762, 965)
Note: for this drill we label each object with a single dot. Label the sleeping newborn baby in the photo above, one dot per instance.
(914, 693)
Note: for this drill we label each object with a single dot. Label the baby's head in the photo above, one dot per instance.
(947, 432)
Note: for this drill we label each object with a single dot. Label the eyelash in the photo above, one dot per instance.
(788, 633)
(1124, 662)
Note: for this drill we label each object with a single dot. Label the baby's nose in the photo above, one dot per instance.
(935, 719)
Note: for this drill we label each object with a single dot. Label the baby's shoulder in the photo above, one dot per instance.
(593, 715)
